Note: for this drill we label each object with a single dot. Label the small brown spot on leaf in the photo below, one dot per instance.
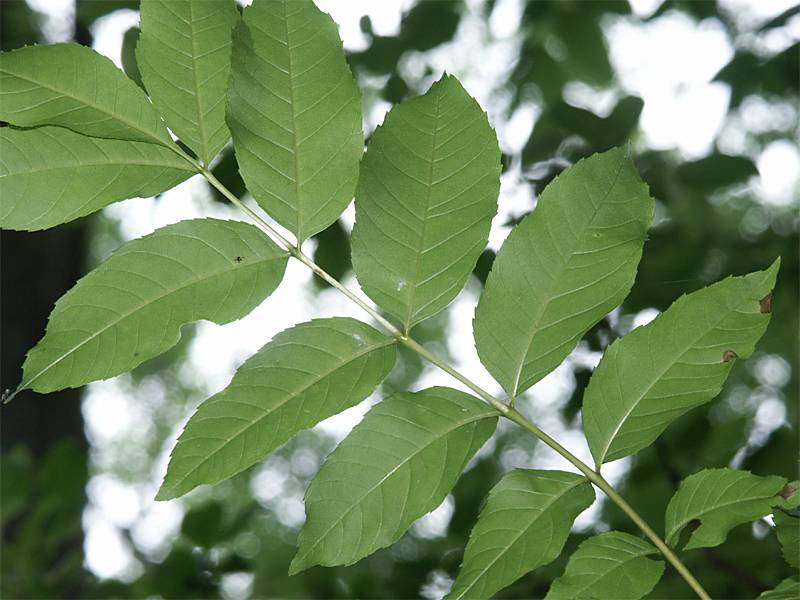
(787, 491)
(238, 259)
(766, 304)
(729, 355)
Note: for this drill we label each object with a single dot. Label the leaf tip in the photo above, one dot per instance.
(298, 564)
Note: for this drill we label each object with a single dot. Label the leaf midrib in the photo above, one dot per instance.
(617, 564)
(123, 316)
(290, 396)
(134, 126)
(457, 425)
(424, 220)
(656, 379)
(516, 538)
(705, 512)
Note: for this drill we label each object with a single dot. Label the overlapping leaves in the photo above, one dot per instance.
(184, 56)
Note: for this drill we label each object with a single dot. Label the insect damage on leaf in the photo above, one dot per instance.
(729, 355)
(766, 304)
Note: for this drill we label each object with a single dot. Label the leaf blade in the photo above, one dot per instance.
(282, 61)
(90, 173)
(183, 272)
(720, 499)
(544, 502)
(73, 86)
(582, 242)
(449, 190)
(190, 96)
(697, 339)
(433, 434)
(609, 565)
(311, 359)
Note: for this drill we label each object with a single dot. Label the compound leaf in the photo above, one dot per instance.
(720, 499)
(679, 361)
(51, 175)
(133, 305)
(524, 525)
(788, 589)
(304, 375)
(75, 87)
(609, 565)
(425, 201)
(184, 56)
(562, 269)
(294, 113)
(397, 464)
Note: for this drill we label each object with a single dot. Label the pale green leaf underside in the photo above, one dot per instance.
(184, 55)
(303, 376)
(425, 201)
(787, 528)
(679, 361)
(398, 464)
(562, 269)
(523, 526)
(294, 113)
(75, 87)
(51, 175)
(788, 589)
(720, 499)
(609, 565)
(131, 308)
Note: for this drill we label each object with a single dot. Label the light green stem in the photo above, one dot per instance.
(504, 409)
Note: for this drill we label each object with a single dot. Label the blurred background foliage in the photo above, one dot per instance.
(235, 540)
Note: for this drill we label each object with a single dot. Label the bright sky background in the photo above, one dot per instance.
(668, 62)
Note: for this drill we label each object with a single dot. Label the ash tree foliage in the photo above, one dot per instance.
(274, 82)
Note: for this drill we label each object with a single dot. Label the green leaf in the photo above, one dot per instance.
(398, 464)
(294, 113)
(184, 56)
(562, 269)
(51, 175)
(133, 305)
(679, 361)
(304, 375)
(524, 525)
(720, 499)
(425, 201)
(787, 528)
(75, 87)
(788, 589)
(609, 565)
